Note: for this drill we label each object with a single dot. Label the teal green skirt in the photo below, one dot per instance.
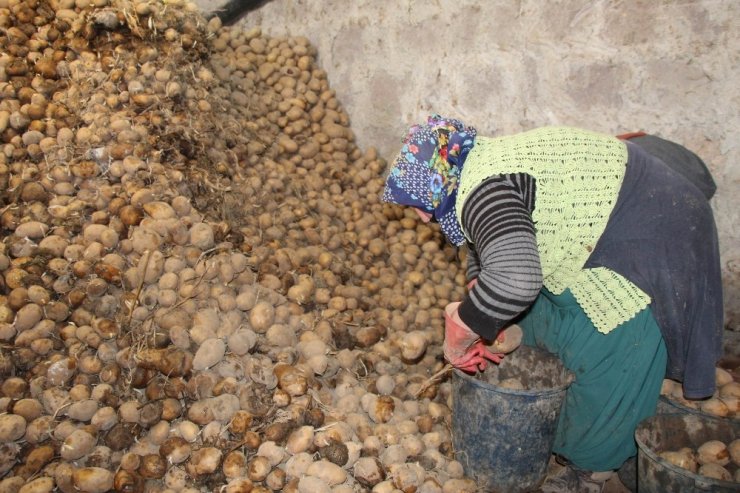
(618, 378)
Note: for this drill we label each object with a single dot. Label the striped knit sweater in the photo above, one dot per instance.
(505, 260)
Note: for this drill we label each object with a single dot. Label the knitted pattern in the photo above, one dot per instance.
(607, 298)
(578, 176)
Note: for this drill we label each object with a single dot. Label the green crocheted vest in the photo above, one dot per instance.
(578, 175)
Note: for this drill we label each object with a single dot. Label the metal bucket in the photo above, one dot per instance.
(504, 437)
(665, 432)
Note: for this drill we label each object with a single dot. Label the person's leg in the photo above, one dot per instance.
(618, 379)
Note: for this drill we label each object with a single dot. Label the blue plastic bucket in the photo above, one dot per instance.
(504, 437)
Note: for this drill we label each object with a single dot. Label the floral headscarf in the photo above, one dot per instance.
(427, 171)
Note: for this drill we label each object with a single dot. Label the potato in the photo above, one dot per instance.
(368, 471)
(301, 293)
(394, 453)
(210, 353)
(319, 364)
(312, 484)
(202, 236)
(39, 429)
(413, 345)
(276, 480)
(130, 411)
(731, 389)
(204, 461)
(300, 440)
(159, 432)
(670, 387)
(235, 465)
(734, 449)
(272, 452)
(12, 484)
(683, 458)
(171, 362)
(715, 471)
(677, 392)
(43, 484)
(176, 479)
(262, 316)
(379, 408)
(30, 409)
(92, 479)
(83, 410)
(723, 377)
(328, 472)
(28, 316)
(152, 467)
(258, 468)
(732, 403)
(104, 418)
(460, 485)
(34, 230)
(342, 453)
(408, 477)
(188, 430)
(296, 466)
(291, 380)
(237, 485)
(12, 427)
(175, 450)
(715, 406)
(280, 335)
(385, 384)
(511, 383)
(508, 340)
(713, 451)
(77, 445)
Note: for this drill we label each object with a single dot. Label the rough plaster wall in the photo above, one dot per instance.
(667, 66)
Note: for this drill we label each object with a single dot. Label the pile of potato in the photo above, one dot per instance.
(714, 459)
(200, 289)
(724, 403)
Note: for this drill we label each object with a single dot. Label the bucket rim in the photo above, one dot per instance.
(524, 392)
(700, 481)
(681, 409)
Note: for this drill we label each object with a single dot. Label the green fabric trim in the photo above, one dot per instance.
(607, 298)
(579, 174)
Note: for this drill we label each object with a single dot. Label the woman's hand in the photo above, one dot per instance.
(462, 347)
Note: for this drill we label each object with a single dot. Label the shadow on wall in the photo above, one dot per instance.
(233, 10)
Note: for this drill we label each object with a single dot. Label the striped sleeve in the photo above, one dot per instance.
(473, 269)
(498, 219)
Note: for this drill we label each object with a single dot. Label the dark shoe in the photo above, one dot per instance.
(572, 480)
(628, 474)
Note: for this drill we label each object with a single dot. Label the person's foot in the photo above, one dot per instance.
(628, 474)
(572, 480)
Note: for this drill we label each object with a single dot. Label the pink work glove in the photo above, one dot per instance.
(462, 347)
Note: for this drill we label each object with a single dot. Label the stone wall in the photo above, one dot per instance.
(667, 66)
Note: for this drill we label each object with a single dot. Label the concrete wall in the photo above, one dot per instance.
(667, 66)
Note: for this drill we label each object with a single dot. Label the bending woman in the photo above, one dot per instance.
(604, 255)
